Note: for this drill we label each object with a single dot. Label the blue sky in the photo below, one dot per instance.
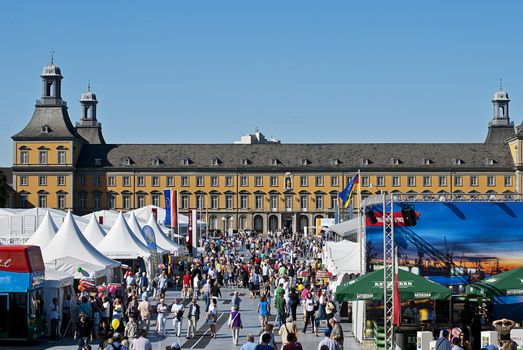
(301, 71)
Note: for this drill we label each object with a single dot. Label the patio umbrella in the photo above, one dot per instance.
(509, 283)
(411, 286)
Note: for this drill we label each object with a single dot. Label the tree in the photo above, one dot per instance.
(3, 190)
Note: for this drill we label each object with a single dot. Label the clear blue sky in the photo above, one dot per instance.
(301, 71)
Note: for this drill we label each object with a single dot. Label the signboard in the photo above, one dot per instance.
(150, 239)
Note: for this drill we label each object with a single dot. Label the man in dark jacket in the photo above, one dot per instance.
(193, 315)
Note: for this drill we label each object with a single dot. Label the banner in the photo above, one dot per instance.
(174, 210)
(167, 194)
(150, 239)
(189, 232)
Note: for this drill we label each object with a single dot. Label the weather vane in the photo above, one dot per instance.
(52, 52)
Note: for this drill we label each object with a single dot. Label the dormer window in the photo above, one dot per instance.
(490, 161)
(395, 161)
(157, 161)
(45, 129)
(245, 161)
(186, 161)
(366, 161)
(304, 161)
(126, 161)
(335, 161)
(458, 161)
(216, 161)
(275, 161)
(426, 161)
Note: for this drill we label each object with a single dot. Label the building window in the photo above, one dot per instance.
(156, 181)
(365, 181)
(245, 161)
(186, 161)
(380, 181)
(42, 157)
(141, 181)
(61, 156)
(184, 201)
(126, 181)
(396, 181)
(458, 181)
(42, 201)
(111, 199)
(214, 201)
(319, 181)
(42, 180)
(473, 181)
(214, 181)
(126, 201)
(170, 181)
(23, 180)
(303, 181)
(303, 202)
(199, 181)
(288, 203)
(215, 161)
(155, 200)
(411, 181)
(274, 181)
(244, 201)
(442, 181)
(60, 199)
(97, 200)
(335, 181)
(274, 202)
(97, 180)
(23, 201)
(508, 181)
(81, 180)
(229, 201)
(258, 202)
(258, 181)
(334, 200)
(244, 181)
(243, 222)
(185, 181)
(141, 200)
(199, 201)
(491, 181)
(60, 180)
(228, 181)
(111, 180)
(24, 156)
(427, 181)
(319, 201)
(81, 201)
(274, 161)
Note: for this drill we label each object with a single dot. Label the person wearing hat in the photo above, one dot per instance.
(337, 332)
(330, 343)
(287, 328)
(162, 311)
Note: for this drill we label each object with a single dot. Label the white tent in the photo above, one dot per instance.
(346, 228)
(121, 243)
(44, 233)
(76, 268)
(162, 240)
(342, 257)
(94, 233)
(136, 229)
(69, 241)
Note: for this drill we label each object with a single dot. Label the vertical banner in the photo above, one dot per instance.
(194, 230)
(174, 210)
(189, 232)
(168, 197)
(150, 239)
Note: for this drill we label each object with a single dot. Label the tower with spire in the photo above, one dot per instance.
(500, 127)
(89, 127)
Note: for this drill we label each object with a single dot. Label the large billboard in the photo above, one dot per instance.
(471, 239)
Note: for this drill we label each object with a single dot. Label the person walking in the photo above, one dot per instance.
(54, 315)
(144, 309)
(212, 317)
(265, 343)
(235, 323)
(142, 343)
(236, 300)
(264, 310)
(193, 315)
(162, 311)
(287, 328)
(279, 303)
(443, 342)
(337, 332)
(330, 343)
(292, 343)
(250, 345)
(131, 331)
(177, 310)
(309, 313)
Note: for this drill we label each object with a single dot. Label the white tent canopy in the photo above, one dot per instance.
(342, 257)
(136, 228)
(70, 266)
(44, 233)
(69, 241)
(162, 240)
(121, 243)
(345, 228)
(94, 233)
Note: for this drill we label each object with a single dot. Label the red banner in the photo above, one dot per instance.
(398, 219)
(174, 209)
(21, 259)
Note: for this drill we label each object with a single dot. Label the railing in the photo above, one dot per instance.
(449, 197)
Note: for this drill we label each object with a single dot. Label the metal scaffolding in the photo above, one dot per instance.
(388, 270)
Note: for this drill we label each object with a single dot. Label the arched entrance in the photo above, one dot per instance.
(273, 223)
(213, 222)
(258, 223)
(304, 222)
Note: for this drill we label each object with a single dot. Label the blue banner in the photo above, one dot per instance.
(149, 236)
(167, 196)
(15, 281)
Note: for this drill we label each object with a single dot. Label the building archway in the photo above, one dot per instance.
(243, 222)
(213, 222)
(302, 223)
(258, 224)
(273, 223)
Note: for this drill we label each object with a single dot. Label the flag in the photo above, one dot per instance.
(346, 194)
(171, 208)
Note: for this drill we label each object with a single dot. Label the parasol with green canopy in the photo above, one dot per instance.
(410, 286)
(509, 283)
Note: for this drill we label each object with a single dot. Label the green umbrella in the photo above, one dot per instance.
(503, 284)
(410, 286)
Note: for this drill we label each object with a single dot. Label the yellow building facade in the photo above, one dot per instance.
(261, 185)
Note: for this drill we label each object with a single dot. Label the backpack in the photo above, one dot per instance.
(116, 347)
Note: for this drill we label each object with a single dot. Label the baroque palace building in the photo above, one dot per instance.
(252, 184)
